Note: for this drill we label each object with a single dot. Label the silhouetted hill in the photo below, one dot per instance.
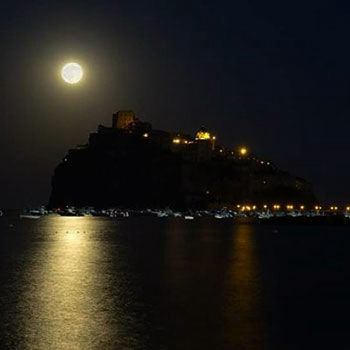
(135, 166)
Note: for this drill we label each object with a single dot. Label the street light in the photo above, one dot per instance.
(243, 151)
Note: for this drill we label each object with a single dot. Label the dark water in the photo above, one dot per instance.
(143, 283)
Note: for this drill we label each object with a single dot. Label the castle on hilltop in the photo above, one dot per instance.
(132, 164)
(200, 147)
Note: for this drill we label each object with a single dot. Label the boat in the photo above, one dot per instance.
(30, 216)
(219, 216)
(264, 215)
(119, 213)
(33, 213)
(223, 215)
(69, 211)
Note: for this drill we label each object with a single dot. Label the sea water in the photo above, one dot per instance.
(159, 283)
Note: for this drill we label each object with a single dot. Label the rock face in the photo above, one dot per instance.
(137, 167)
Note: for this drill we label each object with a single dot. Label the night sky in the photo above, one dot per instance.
(273, 75)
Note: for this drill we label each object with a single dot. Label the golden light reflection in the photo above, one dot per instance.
(66, 302)
(245, 303)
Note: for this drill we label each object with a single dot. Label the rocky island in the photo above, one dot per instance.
(132, 165)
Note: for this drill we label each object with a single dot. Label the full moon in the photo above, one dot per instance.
(72, 73)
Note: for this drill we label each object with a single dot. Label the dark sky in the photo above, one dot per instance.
(273, 75)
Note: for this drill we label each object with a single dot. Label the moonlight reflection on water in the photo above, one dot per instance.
(146, 283)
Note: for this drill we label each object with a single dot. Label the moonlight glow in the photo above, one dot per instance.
(72, 73)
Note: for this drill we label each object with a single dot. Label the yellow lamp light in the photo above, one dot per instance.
(243, 151)
(203, 135)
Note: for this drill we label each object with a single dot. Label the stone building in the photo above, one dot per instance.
(123, 119)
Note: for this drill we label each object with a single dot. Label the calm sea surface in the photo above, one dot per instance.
(147, 283)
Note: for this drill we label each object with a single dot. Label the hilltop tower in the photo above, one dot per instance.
(203, 136)
(123, 119)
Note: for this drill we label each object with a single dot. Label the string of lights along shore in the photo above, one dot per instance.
(291, 207)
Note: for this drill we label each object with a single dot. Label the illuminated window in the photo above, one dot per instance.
(203, 134)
